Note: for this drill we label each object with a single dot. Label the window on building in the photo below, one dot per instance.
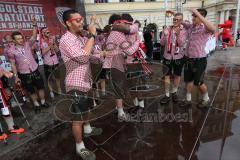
(126, 0)
(100, 1)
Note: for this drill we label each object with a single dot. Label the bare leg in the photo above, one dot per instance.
(77, 131)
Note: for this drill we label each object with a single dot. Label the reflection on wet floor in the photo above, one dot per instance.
(161, 132)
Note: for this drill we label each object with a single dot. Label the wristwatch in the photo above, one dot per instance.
(90, 35)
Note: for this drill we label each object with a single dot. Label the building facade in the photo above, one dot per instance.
(153, 11)
(149, 11)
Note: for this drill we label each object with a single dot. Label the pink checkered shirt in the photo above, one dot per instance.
(7, 49)
(198, 37)
(50, 58)
(119, 47)
(23, 58)
(133, 37)
(77, 62)
(178, 44)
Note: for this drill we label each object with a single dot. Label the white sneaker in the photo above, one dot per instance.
(122, 117)
(86, 154)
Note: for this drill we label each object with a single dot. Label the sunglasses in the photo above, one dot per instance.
(175, 19)
(78, 20)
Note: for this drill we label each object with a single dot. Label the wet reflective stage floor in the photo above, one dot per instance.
(162, 132)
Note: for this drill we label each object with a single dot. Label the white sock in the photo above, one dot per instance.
(167, 93)
(141, 103)
(87, 128)
(42, 101)
(36, 103)
(205, 97)
(9, 121)
(189, 96)
(135, 101)
(52, 94)
(120, 111)
(103, 91)
(80, 146)
(94, 103)
(174, 89)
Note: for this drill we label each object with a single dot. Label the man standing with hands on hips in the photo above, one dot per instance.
(196, 57)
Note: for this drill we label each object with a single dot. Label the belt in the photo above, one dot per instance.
(194, 59)
(30, 74)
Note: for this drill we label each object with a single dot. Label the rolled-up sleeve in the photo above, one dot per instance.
(11, 56)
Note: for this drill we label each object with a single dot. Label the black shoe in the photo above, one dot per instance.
(175, 97)
(204, 104)
(133, 110)
(185, 103)
(37, 109)
(45, 105)
(165, 100)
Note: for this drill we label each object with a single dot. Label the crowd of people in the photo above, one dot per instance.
(117, 49)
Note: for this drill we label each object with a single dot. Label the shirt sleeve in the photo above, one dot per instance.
(181, 39)
(186, 24)
(163, 40)
(11, 56)
(73, 51)
(133, 48)
(133, 28)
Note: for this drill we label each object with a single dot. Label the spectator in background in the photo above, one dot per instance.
(174, 38)
(148, 41)
(50, 50)
(25, 68)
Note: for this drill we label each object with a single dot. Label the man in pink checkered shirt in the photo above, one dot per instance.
(119, 48)
(174, 38)
(25, 67)
(196, 57)
(77, 51)
(49, 50)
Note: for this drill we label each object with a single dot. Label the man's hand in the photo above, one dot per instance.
(93, 19)
(8, 74)
(165, 32)
(34, 21)
(177, 30)
(92, 29)
(17, 80)
(193, 10)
